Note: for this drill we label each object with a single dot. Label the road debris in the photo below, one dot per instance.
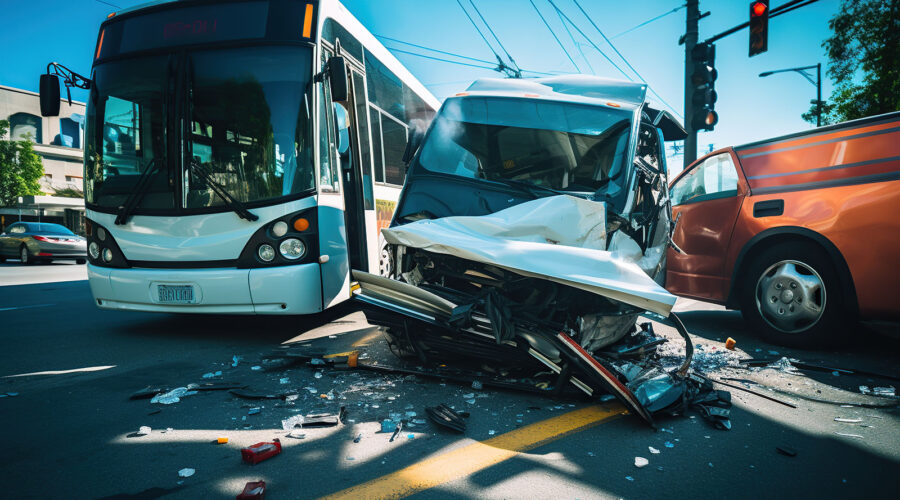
(221, 440)
(174, 395)
(730, 343)
(640, 462)
(143, 431)
(848, 420)
(653, 450)
(444, 416)
(786, 450)
(849, 435)
(253, 490)
(186, 472)
(260, 451)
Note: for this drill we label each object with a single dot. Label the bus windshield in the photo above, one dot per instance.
(557, 145)
(242, 113)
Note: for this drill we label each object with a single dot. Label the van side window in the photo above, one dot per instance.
(715, 178)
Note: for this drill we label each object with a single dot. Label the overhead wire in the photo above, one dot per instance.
(439, 59)
(577, 44)
(434, 50)
(629, 30)
(591, 42)
(554, 36)
(107, 3)
(513, 61)
(608, 41)
(491, 47)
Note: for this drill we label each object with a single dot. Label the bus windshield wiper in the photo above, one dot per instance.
(139, 190)
(530, 187)
(230, 201)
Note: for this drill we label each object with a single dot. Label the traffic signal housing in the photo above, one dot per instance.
(759, 27)
(703, 79)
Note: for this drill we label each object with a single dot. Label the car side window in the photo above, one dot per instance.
(715, 178)
(17, 229)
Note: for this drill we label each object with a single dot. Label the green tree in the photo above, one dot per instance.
(20, 168)
(863, 61)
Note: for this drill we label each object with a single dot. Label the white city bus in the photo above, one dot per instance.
(221, 174)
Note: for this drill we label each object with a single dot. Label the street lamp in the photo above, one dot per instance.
(817, 83)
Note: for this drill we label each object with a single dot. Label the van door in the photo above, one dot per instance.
(705, 201)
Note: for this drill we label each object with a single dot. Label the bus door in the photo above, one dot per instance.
(349, 127)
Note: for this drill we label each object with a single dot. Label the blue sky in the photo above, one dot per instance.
(35, 32)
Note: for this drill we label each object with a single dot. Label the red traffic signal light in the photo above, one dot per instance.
(758, 8)
(759, 27)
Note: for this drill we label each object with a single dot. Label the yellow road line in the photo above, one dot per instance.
(471, 458)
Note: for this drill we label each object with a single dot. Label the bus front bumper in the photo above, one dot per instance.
(276, 290)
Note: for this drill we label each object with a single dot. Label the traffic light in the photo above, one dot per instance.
(759, 27)
(703, 78)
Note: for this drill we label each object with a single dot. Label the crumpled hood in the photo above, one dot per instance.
(559, 238)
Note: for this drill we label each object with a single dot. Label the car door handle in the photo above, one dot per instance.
(768, 208)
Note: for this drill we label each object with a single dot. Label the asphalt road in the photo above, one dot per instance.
(68, 432)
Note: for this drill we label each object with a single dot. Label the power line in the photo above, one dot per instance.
(435, 50)
(513, 61)
(480, 33)
(623, 57)
(110, 4)
(590, 41)
(439, 59)
(554, 36)
(629, 30)
(577, 45)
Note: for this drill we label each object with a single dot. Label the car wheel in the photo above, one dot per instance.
(791, 295)
(80, 261)
(386, 262)
(24, 256)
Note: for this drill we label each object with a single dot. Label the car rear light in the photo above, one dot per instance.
(41, 238)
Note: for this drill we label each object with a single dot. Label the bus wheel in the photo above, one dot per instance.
(791, 295)
(386, 262)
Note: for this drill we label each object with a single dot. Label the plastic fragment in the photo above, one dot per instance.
(629, 478)
(491, 432)
(786, 450)
(291, 422)
(357, 438)
(884, 391)
(316, 362)
(836, 373)
(284, 380)
(848, 420)
(730, 343)
(256, 368)
(351, 458)
(172, 396)
(143, 431)
(477, 385)
(235, 360)
(668, 444)
(254, 410)
(849, 435)
(653, 450)
(296, 434)
(640, 462)
(221, 440)
(186, 472)
(253, 489)
(260, 451)
(317, 375)
(410, 436)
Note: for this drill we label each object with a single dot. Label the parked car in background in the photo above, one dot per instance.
(800, 232)
(41, 241)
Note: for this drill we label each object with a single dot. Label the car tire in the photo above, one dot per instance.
(24, 256)
(791, 295)
(80, 261)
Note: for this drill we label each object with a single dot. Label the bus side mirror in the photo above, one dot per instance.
(337, 77)
(49, 88)
(412, 144)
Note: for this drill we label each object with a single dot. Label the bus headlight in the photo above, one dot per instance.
(292, 248)
(266, 252)
(101, 234)
(107, 255)
(94, 250)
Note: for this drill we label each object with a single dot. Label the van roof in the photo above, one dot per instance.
(585, 89)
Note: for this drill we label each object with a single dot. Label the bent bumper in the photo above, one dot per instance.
(277, 290)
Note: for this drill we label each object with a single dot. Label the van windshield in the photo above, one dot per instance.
(555, 145)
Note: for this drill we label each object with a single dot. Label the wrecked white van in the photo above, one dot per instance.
(532, 228)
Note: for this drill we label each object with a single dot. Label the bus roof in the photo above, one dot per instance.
(584, 89)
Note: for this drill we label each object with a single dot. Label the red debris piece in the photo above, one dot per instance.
(253, 490)
(260, 451)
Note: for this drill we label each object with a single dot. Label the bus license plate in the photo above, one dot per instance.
(175, 294)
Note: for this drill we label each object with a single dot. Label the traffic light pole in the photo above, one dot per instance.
(690, 40)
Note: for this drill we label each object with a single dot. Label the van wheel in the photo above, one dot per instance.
(24, 256)
(791, 296)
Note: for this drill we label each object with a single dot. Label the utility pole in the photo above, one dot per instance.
(691, 30)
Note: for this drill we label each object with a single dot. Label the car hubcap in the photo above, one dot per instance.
(790, 296)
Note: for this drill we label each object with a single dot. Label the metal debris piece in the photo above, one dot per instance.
(849, 435)
(848, 420)
(445, 416)
(787, 451)
(640, 462)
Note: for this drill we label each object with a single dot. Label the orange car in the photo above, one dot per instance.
(799, 232)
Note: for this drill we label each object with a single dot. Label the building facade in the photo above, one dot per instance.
(59, 141)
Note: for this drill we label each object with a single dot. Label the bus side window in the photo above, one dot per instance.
(329, 172)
